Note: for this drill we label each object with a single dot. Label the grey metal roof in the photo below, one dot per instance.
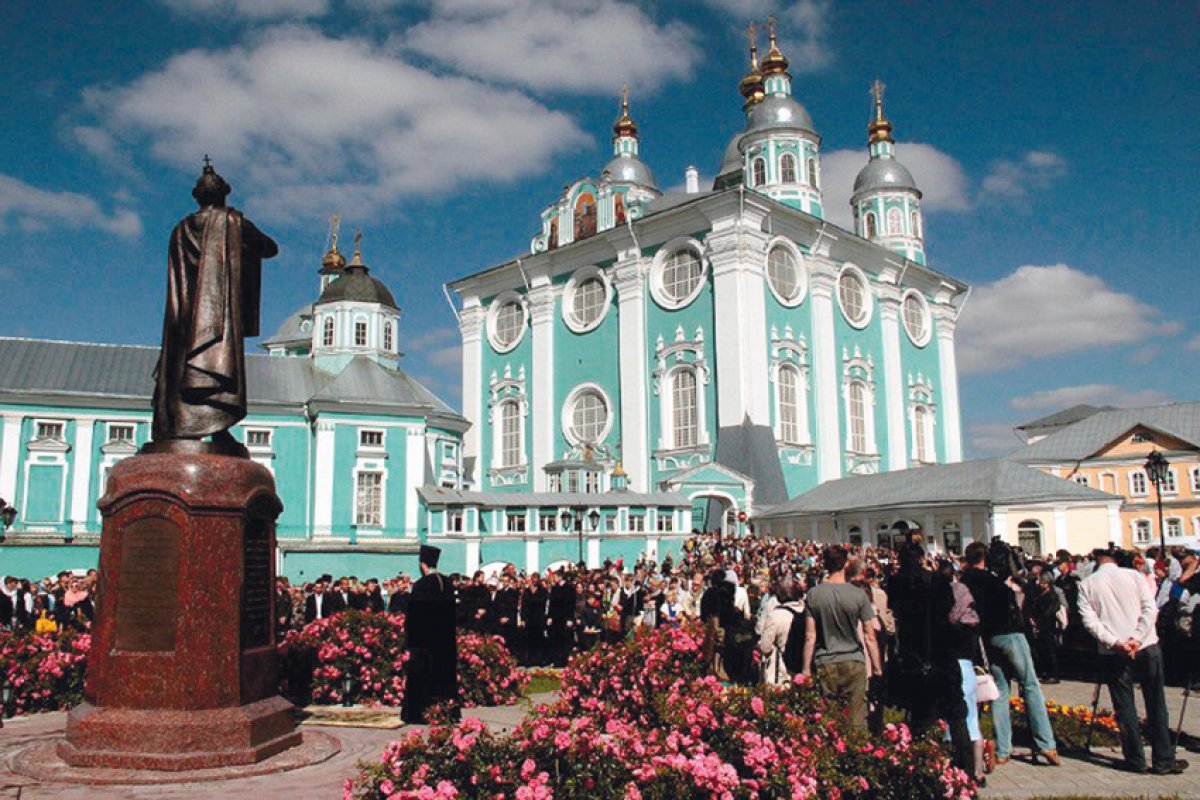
(731, 161)
(994, 480)
(1088, 436)
(751, 450)
(355, 284)
(84, 370)
(1061, 419)
(292, 332)
(884, 173)
(436, 495)
(630, 169)
(778, 112)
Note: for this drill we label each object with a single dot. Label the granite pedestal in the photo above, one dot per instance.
(182, 673)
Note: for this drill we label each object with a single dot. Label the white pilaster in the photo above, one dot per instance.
(1060, 529)
(948, 366)
(471, 327)
(541, 308)
(1115, 534)
(472, 555)
(930, 529)
(629, 279)
(323, 491)
(531, 555)
(82, 473)
(10, 454)
(967, 526)
(414, 475)
(1000, 524)
(593, 552)
(893, 380)
(825, 376)
(736, 252)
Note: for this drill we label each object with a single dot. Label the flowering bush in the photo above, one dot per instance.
(639, 722)
(369, 647)
(46, 670)
(1070, 725)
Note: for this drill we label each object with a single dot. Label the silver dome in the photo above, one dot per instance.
(630, 169)
(732, 160)
(884, 173)
(778, 112)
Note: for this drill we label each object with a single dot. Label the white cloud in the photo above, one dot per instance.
(555, 45)
(1041, 311)
(943, 184)
(34, 209)
(1093, 394)
(303, 123)
(803, 28)
(992, 438)
(1037, 169)
(255, 10)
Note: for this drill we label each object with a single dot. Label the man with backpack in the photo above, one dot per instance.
(834, 640)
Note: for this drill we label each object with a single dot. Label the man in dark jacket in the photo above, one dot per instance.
(561, 620)
(533, 617)
(1008, 650)
(505, 607)
(430, 637)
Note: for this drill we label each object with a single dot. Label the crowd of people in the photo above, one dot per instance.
(933, 634)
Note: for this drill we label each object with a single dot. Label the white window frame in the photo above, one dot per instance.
(389, 336)
(370, 446)
(812, 170)
(1029, 524)
(665, 253)
(110, 429)
(895, 221)
(924, 447)
(554, 482)
(637, 523)
(250, 433)
(1170, 484)
(516, 522)
(328, 331)
(455, 520)
(568, 413)
(580, 277)
(498, 447)
(799, 406)
(664, 521)
(868, 303)
(926, 320)
(755, 164)
(1134, 475)
(500, 301)
(548, 522)
(37, 430)
(915, 218)
(1178, 527)
(361, 320)
(1082, 479)
(1133, 530)
(670, 434)
(801, 272)
(372, 468)
(591, 482)
(1195, 474)
(783, 168)
(870, 225)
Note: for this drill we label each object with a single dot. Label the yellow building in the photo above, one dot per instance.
(1106, 449)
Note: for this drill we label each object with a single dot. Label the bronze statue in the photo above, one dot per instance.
(214, 277)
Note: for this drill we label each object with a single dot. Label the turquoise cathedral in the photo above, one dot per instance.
(657, 362)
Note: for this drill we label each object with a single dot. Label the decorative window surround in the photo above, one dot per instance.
(920, 397)
(583, 279)
(682, 354)
(662, 258)
(49, 436)
(568, 414)
(504, 299)
(860, 371)
(801, 289)
(1142, 531)
(1138, 483)
(502, 390)
(372, 443)
(791, 352)
(849, 275)
(914, 312)
(369, 520)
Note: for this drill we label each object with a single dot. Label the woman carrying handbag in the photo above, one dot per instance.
(978, 685)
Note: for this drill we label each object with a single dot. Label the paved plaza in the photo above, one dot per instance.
(1017, 779)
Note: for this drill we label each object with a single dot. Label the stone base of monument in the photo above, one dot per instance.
(182, 673)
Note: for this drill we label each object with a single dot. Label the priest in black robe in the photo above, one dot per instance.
(213, 285)
(429, 632)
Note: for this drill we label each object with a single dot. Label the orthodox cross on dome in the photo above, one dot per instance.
(207, 160)
(877, 89)
(335, 223)
(752, 38)
(625, 126)
(880, 130)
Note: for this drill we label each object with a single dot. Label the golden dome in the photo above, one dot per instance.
(751, 86)
(775, 62)
(880, 129)
(624, 126)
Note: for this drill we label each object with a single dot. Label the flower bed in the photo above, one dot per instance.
(638, 721)
(1070, 725)
(46, 670)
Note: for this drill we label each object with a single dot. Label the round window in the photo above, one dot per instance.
(586, 300)
(916, 318)
(586, 415)
(680, 274)
(784, 275)
(507, 322)
(854, 298)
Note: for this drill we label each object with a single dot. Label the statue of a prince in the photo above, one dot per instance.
(214, 278)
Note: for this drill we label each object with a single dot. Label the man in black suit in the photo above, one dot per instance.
(505, 607)
(321, 603)
(372, 596)
(398, 599)
(561, 622)
(430, 638)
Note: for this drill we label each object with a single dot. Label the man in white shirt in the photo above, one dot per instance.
(1118, 608)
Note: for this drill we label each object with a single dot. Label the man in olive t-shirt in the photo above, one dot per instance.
(834, 641)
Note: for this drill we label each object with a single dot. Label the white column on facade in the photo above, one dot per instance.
(593, 552)
(736, 252)
(531, 555)
(1060, 528)
(967, 527)
(414, 474)
(825, 375)
(10, 454)
(1000, 523)
(541, 312)
(323, 491)
(944, 315)
(1115, 533)
(472, 555)
(629, 277)
(930, 526)
(82, 473)
(471, 327)
(893, 377)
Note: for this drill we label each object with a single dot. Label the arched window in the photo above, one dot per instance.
(387, 336)
(952, 537)
(869, 228)
(510, 434)
(789, 387)
(812, 172)
(327, 332)
(787, 168)
(685, 419)
(916, 224)
(922, 435)
(857, 407)
(759, 169)
(895, 222)
(1029, 537)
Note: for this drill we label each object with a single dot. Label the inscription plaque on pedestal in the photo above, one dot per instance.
(256, 584)
(147, 592)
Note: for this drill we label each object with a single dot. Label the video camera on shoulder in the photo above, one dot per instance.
(1005, 560)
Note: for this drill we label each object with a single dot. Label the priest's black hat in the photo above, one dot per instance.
(430, 555)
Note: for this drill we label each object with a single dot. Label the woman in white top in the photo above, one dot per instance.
(777, 624)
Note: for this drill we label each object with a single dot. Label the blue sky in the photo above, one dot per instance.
(1054, 144)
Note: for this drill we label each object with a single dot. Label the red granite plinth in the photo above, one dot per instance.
(182, 673)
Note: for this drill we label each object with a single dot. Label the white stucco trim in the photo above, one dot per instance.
(568, 413)
(541, 307)
(82, 473)
(913, 294)
(323, 491)
(801, 271)
(414, 476)
(498, 302)
(657, 291)
(568, 298)
(10, 453)
(824, 359)
(868, 292)
(889, 328)
(948, 367)
(634, 434)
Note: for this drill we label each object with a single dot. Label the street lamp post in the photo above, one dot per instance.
(1156, 470)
